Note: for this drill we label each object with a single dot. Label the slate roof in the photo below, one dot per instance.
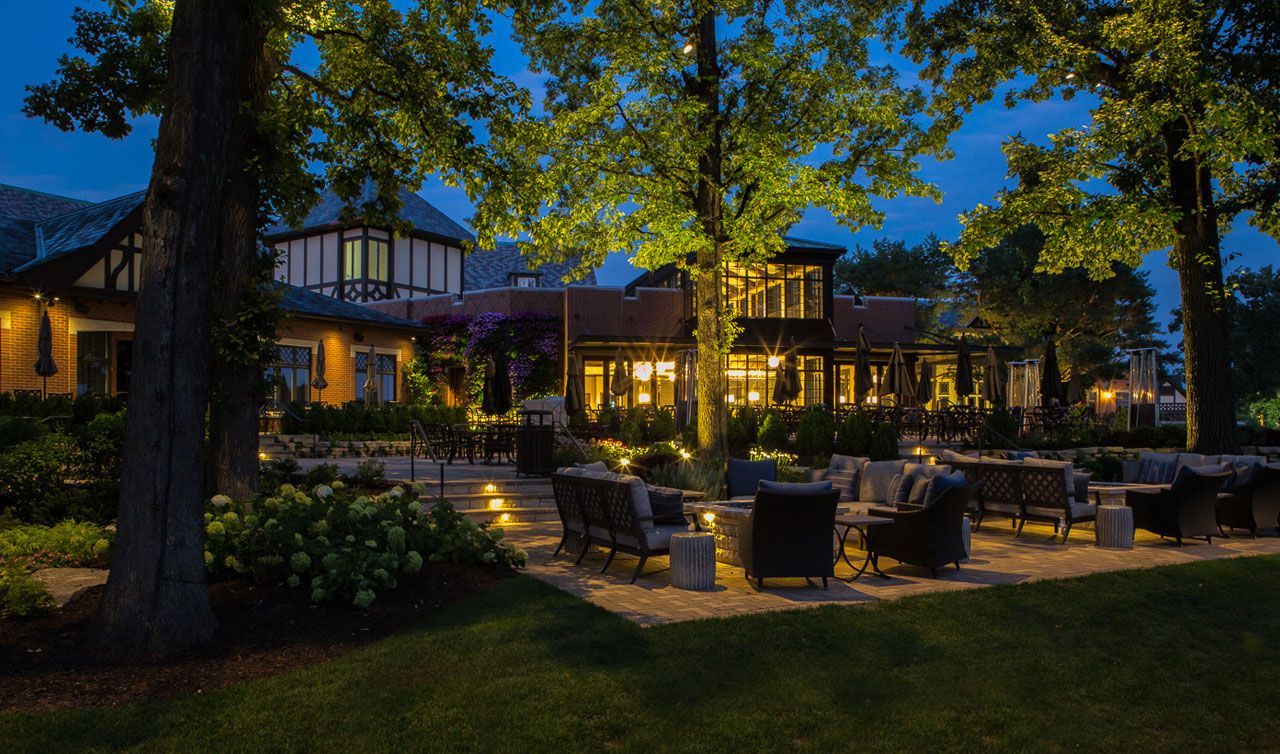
(804, 243)
(20, 210)
(81, 228)
(328, 211)
(302, 301)
(492, 268)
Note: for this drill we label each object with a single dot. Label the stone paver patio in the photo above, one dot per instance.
(997, 558)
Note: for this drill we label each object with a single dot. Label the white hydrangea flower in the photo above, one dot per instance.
(396, 491)
(220, 501)
(322, 491)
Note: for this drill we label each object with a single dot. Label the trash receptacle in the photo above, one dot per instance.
(536, 444)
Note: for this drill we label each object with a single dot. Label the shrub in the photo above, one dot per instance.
(884, 442)
(21, 596)
(370, 473)
(692, 475)
(773, 431)
(662, 425)
(742, 429)
(856, 432)
(321, 473)
(276, 472)
(34, 470)
(815, 432)
(341, 546)
(16, 429)
(632, 430)
(1105, 467)
(101, 442)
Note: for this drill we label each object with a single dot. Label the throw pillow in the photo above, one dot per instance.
(919, 490)
(845, 481)
(593, 466)
(873, 480)
(899, 489)
(1082, 480)
(846, 463)
(667, 504)
(940, 484)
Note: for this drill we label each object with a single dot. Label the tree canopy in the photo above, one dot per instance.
(892, 268)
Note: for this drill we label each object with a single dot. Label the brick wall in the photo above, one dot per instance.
(20, 323)
(886, 319)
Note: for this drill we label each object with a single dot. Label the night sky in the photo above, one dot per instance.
(38, 156)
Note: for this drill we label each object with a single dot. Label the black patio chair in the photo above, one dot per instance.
(1189, 508)
(1253, 504)
(930, 537)
(789, 536)
(742, 476)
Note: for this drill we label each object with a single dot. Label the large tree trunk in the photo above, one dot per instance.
(709, 262)
(1211, 415)
(156, 601)
(237, 383)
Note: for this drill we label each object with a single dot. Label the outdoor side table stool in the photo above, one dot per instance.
(1114, 527)
(693, 560)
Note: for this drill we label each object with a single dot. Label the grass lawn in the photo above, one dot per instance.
(1176, 658)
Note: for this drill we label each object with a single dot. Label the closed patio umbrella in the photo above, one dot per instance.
(319, 382)
(45, 366)
(620, 383)
(786, 380)
(1075, 390)
(964, 370)
(1050, 377)
(371, 379)
(688, 386)
(496, 399)
(898, 380)
(992, 385)
(573, 388)
(862, 369)
(924, 385)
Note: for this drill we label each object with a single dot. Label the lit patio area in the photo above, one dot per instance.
(997, 558)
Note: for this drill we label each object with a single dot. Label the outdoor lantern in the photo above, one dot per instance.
(643, 371)
(688, 48)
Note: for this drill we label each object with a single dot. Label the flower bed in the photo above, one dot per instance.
(27, 549)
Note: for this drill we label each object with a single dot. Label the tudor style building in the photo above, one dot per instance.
(79, 262)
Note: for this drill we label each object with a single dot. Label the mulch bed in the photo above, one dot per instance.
(262, 631)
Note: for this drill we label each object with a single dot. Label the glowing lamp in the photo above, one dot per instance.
(505, 517)
(709, 517)
(495, 503)
(685, 455)
(643, 371)
(688, 48)
(753, 396)
(773, 362)
(643, 398)
(489, 488)
(625, 461)
(730, 398)
(842, 399)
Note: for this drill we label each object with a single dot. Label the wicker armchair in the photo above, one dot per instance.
(930, 537)
(1253, 505)
(789, 535)
(1189, 508)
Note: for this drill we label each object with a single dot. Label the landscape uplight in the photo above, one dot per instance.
(688, 48)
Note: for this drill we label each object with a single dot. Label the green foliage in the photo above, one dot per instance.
(344, 547)
(355, 420)
(14, 430)
(692, 474)
(370, 473)
(742, 430)
(815, 433)
(1265, 411)
(1092, 321)
(25, 549)
(884, 442)
(21, 596)
(321, 473)
(1105, 467)
(276, 472)
(1254, 310)
(101, 442)
(855, 434)
(33, 471)
(773, 431)
(1001, 429)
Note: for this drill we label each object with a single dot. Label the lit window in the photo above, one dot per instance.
(353, 259)
(523, 280)
(379, 260)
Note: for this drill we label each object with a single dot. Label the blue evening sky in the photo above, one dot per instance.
(38, 156)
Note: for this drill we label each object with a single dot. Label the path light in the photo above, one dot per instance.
(625, 461)
(263, 456)
(685, 455)
(490, 488)
(505, 517)
(1070, 76)
(495, 503)
(710, 518)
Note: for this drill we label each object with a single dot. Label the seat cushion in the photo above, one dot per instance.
(951, 456)
(660, 537)
(1078, 511)
(927, 470)
(593, 466)
(640, 507)
(1068, 472)
(1009, 508)
(1157, 468)
(625, 538)
(795, 488)
(743, 475)
(667, 504)
(873, 482)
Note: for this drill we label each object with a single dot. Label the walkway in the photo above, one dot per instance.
(998, 558)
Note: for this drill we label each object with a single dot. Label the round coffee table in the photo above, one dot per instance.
(693, 560)
(1113, 527)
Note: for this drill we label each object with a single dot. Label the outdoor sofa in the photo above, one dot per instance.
(1030, 489)
(615, 511)
(1151, 467)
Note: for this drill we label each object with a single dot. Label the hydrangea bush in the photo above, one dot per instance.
(27, 549)
(342, 546)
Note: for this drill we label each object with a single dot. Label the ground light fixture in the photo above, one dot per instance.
(495, 503)
(685, 455)
(490, 488)
(688, 48)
